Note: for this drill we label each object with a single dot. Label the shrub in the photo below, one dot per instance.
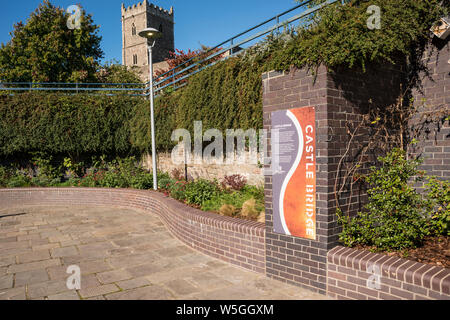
(165, 182)
(110, 179)
(42, 163)
(394, 218)
(142, 181)
(18, 180)
(5, 175)
(200, 191)
(44, 181)
(234, 182)
(178, 190)
(439, 201)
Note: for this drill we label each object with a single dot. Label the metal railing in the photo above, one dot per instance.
(177, 77)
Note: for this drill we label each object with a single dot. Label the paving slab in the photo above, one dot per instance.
(122, 255)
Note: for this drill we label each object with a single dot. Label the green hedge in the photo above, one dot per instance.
(66, 124)
(225, 96)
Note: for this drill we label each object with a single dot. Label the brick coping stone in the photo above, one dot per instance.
(349, 271)
(236, 241)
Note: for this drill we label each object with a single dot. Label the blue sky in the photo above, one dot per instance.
(207, 22)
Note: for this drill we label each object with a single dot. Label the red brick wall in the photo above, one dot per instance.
(232, 240)
(399, 279)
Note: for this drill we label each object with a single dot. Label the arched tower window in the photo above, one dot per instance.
(133, 29)
(135, 59)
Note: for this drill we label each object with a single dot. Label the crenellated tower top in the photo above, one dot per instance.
(149, 7)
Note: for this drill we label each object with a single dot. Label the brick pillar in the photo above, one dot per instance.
(338, 98)
(289, 259)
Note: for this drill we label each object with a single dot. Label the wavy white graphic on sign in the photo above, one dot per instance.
(293, 169)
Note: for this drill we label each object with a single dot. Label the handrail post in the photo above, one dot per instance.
(278, 21)
(173, 78)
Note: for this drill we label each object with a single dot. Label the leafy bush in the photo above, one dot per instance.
(200, 191)
(18, 180)
(143, 181)
(110, 179)
(439, 201)
(5, 175)
(165, 182)
(178, 190)
(43, 165)
(395, 217)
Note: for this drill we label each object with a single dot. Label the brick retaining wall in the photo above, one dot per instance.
(348, 277)
(235, 241)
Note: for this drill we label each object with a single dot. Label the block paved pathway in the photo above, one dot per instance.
(122, 254)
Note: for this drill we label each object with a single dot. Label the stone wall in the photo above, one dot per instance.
(253, 173)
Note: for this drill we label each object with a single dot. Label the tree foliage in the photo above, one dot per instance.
(44, 49)
(114, 72)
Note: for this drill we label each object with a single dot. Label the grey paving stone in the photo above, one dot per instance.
(47, 288)
(13, 294)
(113, 276)
(181, 287)
(64, 252)
(34, 256)
(31, 277)
(33, 265)
(6, 282)
(6, 261)
(64, 296)
(94, 266)
(98, 291)
(146, 293)
(144, 270)
(133, 283)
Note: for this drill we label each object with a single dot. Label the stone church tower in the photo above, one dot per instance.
(134, 48)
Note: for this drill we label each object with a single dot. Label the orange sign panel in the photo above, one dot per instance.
(293, 139)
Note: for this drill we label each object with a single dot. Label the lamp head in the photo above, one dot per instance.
(150, 34)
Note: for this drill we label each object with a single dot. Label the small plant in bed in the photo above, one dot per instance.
(397, 217)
